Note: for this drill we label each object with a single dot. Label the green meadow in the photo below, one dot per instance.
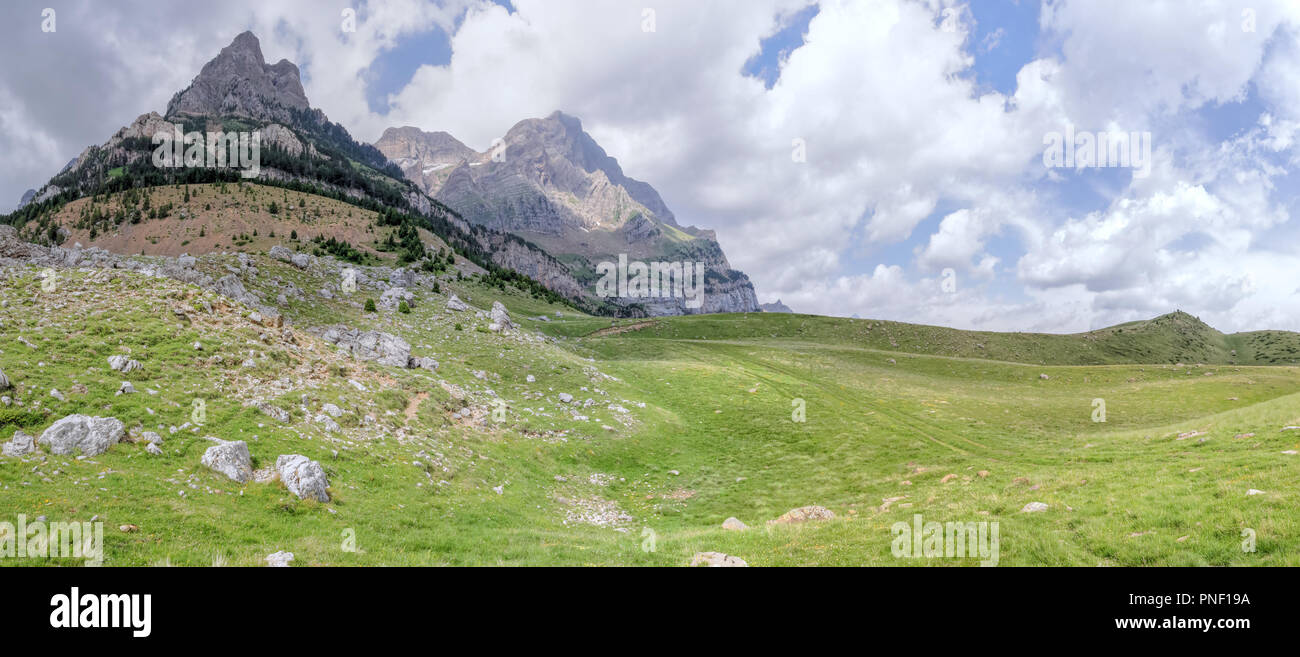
(692, 420)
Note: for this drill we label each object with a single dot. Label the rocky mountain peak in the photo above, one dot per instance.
(409, 143)
(559, 139)
(239, 82)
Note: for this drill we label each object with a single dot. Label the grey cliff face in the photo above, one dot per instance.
(239, 82)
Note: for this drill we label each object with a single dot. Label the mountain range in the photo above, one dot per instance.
(548, 204)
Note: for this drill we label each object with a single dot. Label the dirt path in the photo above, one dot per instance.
(615, 330)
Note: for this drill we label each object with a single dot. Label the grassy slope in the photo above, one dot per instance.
(224, 218)
(416, 484)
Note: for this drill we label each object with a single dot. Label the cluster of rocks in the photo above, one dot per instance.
(383, 348)
(303, 477)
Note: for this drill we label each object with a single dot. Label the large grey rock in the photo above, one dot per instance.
(231, 287)
(303, 260)
(303, 477)
(402, 278)
(230, 458)
(4, 381)
(454, 303)
(500, 318)
(20, 444)
(281, 253)
(91, 435)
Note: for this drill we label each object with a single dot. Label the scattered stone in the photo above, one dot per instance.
(4, 381)
(530, 378)
(1044, 377)
(717, 560)
(947, 478)
(734, 524)
(1034, 507)
(19, 445)
(332, 410)
(1254, 491)
(423, 363)
(126, 388)
(327, 422)
(230, 458)
(91, 435)
(128, 529)
(154, 449)
(566, 398)
(279, 559)
(454, 303)
(274, 412)
(303, 477)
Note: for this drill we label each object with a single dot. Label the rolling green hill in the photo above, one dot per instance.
(1168, 339)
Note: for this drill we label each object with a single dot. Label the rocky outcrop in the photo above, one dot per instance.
(500, 318)
(776, 307)
(239, 82)
(455, 304)
(91, 435)
(394, 296)
(383, 348)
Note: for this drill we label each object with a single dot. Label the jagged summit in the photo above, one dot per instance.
(549, 182)
(239, 82)
(562, 134)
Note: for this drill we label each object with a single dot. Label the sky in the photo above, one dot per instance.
(888, 159)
